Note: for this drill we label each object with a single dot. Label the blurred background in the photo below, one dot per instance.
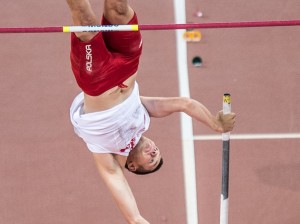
(47, 175)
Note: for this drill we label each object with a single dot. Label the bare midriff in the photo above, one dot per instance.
(110, 98)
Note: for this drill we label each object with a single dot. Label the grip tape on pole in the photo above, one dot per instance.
(226, 103)
(226, 110)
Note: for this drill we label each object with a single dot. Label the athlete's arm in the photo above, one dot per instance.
(164, 106)
(111, 171)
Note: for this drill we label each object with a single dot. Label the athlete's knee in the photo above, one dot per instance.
(120, 7)
(82, 12)
(118, 11)
(78, 5)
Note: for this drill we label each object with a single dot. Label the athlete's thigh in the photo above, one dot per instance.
(83, 15)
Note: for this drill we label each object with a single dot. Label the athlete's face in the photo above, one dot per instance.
(144, 157)
(148, 155)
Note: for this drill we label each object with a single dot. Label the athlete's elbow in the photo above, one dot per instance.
(187, 105)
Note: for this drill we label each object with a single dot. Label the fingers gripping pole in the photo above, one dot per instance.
(225, 164)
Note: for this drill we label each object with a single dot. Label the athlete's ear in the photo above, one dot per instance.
(131, 166)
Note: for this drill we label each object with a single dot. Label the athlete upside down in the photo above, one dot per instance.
(109, 114)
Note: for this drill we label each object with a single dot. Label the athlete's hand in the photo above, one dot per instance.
(226, 121)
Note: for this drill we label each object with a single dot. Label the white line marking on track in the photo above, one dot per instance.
(249, 136)
(189, 167)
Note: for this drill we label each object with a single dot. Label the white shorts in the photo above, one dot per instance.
(116, 130)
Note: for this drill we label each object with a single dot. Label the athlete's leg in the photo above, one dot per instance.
(89, 54)
(83, 15)
(124, 42)
(118, 11)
